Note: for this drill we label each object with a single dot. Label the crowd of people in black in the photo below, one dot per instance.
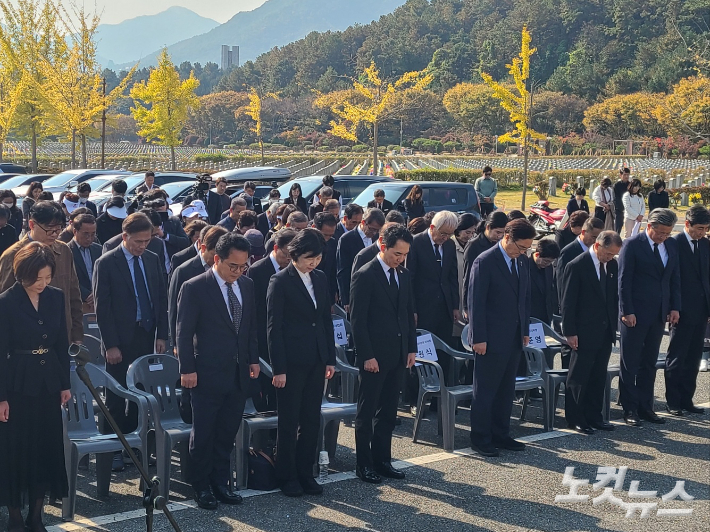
(235, 281)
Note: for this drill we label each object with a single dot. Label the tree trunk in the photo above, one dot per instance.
(525, 170)
(374, 147)
(172, 158)
(261, 145)
(73, 149)
(33, 147)
(2, 147)
(84, 162)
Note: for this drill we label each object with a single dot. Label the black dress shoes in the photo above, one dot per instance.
(206, 500)
(632, 419)
(694, 409)
(367, 474)
(651, 417)
(310, 486)
(673, 411)
(385, 469)
(582, 429)
(226, 495)
(510, 444)
(602, 426)
(485, 450)
(292, 488)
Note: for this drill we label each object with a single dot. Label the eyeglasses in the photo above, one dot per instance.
(520, 248)
(447, 235)
(50, 232)
(236, 268)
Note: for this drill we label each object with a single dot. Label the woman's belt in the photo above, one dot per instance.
(39, 351)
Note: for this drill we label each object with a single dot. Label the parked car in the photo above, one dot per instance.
(61, 182)
(5, 177)
(133, 181)
(12, 168)
(265, 174)
(437, 195)
(349, 186)
(100, 182)
(22, 180)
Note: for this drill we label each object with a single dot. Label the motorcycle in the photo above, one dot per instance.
(546, 220)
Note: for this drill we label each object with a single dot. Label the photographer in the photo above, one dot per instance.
(217, 202)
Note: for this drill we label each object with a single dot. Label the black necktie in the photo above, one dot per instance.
(143, 299)
(602, 278)
(514, 273)
(235, 308)
(696, 252)
(393, 279)
(657, 253)
(437, 254)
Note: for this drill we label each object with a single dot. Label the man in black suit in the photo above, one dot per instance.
(649, 296)
(218, 352)
(385, 335)
(217, 202)
(83, 191)
(543, 297)
(149, 183)
(380, 202)
(253, 203)
(350, 244)
(620, 188)
(86, 252)
(434, 268)
(326, 223)
(352, 217)
(324, 195)
(499, 328)
(198, 265)
(590, 314)
(686, 347)
(267, 220)
(189, 253)
(130, 326)
(566, 236)
(172, 231)
(370, 252)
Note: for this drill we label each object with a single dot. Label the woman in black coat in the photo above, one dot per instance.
(658, 198)
(414, 203)
(302, 352)
(295, 197)
(16, 220)
(578, 203)
(34, 382)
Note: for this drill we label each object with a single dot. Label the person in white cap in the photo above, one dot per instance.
(196, 209)
(109, 223)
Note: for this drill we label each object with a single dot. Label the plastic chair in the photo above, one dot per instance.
(91, 326)
(348, 376)
(93, 344)
(82, 435)
(156, 377)
(349, 350)
(458, 358)
(537, 379)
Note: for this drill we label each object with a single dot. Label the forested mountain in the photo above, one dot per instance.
(589, 48)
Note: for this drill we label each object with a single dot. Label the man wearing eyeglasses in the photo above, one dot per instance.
(218, 351)
(486, 187)
(45, 225)
(499, 316)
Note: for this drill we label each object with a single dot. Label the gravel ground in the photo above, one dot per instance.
(458, 492)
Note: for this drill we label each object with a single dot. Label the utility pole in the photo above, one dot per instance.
(401, 130)
(103, 127)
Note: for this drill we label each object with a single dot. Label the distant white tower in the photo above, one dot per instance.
(230, 58)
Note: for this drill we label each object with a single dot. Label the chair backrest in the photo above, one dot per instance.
(430, 376)
(158, 375)
(339, 311)
(91, 326)
(341, 361)
(348, 328)
(535, 359)
(464, 338)
(93, 344)
(80, 420)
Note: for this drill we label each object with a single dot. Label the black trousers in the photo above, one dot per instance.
(619, 219)
(377, 399)
(486, 208)
(216, 418)
(493, 394)
(299, 405)
(124, 412)
(639, 353)
(600, 213)
(683, 361)
(586, 380)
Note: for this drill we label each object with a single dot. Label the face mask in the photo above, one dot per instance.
(83, 200)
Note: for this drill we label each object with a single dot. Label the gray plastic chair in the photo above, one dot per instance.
(348, 376)
(91, 326)
(156, 378)
(93, 344)
(331, 414)
(82, 435)
(349, 350)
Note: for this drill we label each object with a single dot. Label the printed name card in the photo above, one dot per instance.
(537, 336)
(341, 337)
(425, 348)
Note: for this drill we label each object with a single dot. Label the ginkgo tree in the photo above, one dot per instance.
(372, 101)
(518, 103)
(12, 85)
(162, 104)
(253, 110)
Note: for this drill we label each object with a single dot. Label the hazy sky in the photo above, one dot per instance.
(115, 11)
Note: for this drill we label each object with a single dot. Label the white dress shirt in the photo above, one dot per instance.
(434, 245)
(277, 268)
(223, 287)
(661, 249)
(581, 243)
(387, 270)
(365, 239)
(306, 278)
(595, 259)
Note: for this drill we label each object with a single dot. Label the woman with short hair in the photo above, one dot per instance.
(295, 198)
(634, 207)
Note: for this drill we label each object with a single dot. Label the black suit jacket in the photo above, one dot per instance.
(473, 249)
(260, 272)
(300, 204)
(543, 297)
(339, 231)
(567, 255)
(206, 340)
(262, 224)
(564, 237)
(298, 333)
(216, 205)
(92, 207)
(573, 207)
(178, 239)
(694, 279)
(328, 265)
(496, 304)
(646, 289)
(107, 228)
(115, 304)
(349, 245)
(155, 245)
(386, 206)
(383, 327)
(365, 256)
(179, 276)
(431, 282)
(81, 272)
(587, 311)
(314, 209)
(181, 257)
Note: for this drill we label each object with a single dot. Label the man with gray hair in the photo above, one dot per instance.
(649, 296)
(435, 279)
(590, 313)
(324, 195)
(267, 219)
(237, 206)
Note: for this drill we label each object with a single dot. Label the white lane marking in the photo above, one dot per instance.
(98, 522)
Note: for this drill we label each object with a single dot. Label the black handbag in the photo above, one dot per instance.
(262, 472)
